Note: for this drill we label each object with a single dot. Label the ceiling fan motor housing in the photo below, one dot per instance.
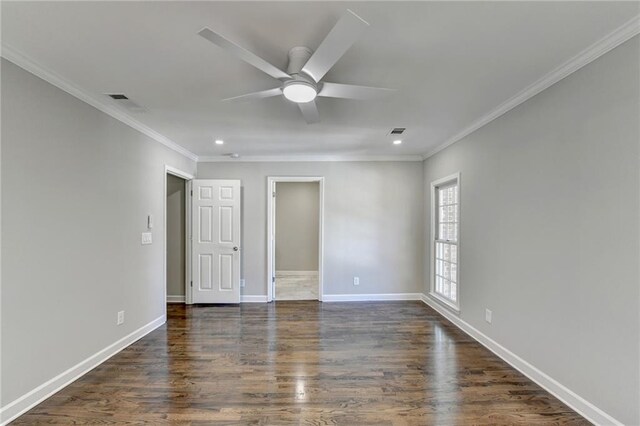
(300, 88)
(298, 56)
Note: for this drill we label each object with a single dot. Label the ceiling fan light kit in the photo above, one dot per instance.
(302, 81)
(299, 92)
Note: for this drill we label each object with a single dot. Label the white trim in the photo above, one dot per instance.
(32, 398)
(612, 40)
(455, 177)
(177, 172)
(271, 217)
(250, 298)
(371, 297)
(293, 273)
(446, 179)
(175, 299)
(583, 407)
(447, 304)
(309, 158)
(23, 61)
(188, 293)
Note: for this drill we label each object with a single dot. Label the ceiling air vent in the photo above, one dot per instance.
(126, 103)
(398, 130)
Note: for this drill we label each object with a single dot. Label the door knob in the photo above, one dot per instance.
(236, 248)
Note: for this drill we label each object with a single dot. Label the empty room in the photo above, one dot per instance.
(320, 212)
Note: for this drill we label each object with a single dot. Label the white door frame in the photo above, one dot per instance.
(169, 170)
(271, 217)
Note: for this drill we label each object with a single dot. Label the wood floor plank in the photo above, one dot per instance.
(363, 363)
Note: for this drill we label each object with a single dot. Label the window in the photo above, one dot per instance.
(445, 197)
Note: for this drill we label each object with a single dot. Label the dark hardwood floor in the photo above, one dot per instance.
(378, 363)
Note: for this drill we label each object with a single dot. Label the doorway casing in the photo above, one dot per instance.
(271, 218)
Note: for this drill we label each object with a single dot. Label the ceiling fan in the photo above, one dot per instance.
(303, 80)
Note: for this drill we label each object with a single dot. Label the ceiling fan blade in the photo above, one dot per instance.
(350, 91)
(243, 54)
(348, 29)
(257, 95)
(310, 112)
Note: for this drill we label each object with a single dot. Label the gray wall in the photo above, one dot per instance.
(550, 230)
(77, 186)
(176, 237)
(373, 222)
(297, 226)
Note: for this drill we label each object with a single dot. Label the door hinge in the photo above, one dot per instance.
(274, 194)
(192, 192)
(273, 279)
(191, 283)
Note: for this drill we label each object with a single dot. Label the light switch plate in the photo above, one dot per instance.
(487, 315)
(146, 238)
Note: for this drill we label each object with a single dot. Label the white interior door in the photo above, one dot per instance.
(215, 259)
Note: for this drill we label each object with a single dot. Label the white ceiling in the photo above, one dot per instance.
(450, 62)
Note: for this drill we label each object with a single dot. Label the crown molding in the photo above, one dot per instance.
(23, 61)
(305, 158)
(612, 40)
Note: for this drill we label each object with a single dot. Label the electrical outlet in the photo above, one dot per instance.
(120, 317)
(356, 280)
(242, 283)
(487, 315)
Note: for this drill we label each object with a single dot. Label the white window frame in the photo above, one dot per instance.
(445, 181)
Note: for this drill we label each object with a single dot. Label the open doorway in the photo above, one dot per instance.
(295, 255)
(176, 238)
(176, 225)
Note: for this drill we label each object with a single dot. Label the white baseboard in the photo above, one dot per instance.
(175, 299)
(345, 297)
(302, 273)
(370, 297)
(249, 298)
(564, 394)
(29, 400)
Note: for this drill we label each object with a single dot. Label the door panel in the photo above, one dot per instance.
(225, 266)
(226, 224)
(205, 219)
(216, 254)
(206, 273)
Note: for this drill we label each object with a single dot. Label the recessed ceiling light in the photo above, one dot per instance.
(219, 142)
(397, 142)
